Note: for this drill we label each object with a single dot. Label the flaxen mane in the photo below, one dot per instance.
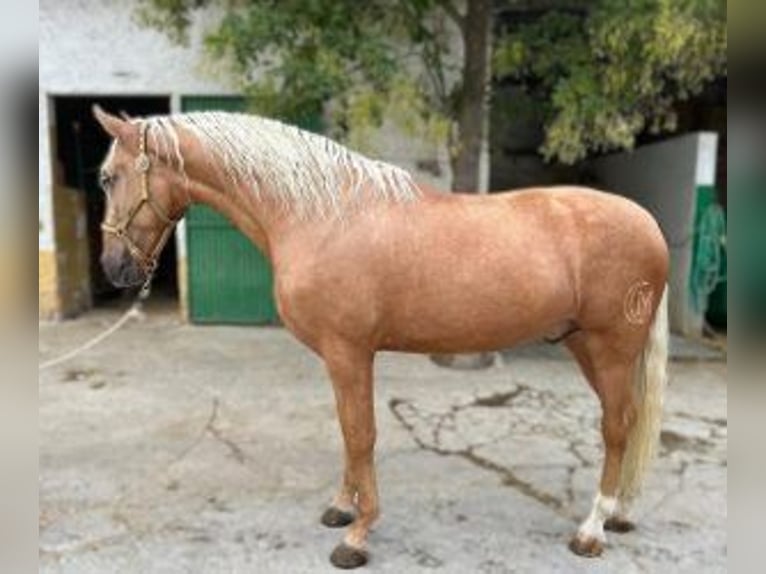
(308, 173)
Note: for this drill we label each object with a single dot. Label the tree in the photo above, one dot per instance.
(604, 71)
(424, 62)
(607, 71)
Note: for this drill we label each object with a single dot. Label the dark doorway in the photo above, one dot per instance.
(81, 146)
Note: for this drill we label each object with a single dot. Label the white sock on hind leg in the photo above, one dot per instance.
(593, 527)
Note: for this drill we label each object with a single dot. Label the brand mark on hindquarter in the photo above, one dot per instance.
(637, 305)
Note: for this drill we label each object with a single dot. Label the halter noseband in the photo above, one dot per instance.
(147, 261)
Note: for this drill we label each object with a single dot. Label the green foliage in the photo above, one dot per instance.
(294, 57)
(405, 103)
(616, 70)
(603, 71)
(170, 16)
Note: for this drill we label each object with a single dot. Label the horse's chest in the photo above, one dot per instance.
(316, 306)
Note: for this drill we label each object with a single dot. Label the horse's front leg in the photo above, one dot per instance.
(351, 372)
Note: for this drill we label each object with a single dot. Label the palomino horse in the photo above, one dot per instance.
(365, 260)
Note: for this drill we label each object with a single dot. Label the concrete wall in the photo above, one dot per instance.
(47, 282)
(664, 178)
(428, 161)
(95, 47)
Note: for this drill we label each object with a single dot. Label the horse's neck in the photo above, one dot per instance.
(261, 217)
(259, 220)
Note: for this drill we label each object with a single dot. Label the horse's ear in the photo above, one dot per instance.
(114, 126)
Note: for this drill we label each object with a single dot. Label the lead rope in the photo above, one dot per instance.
(134, 312)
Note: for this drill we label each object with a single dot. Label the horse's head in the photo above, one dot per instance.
(143, 202)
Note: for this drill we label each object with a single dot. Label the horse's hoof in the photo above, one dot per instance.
(619, 525)
(347, 557)
(588, 547)
(336, 518)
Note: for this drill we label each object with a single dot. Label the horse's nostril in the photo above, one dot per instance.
(106, 263)
(121, 269)
(111, 270)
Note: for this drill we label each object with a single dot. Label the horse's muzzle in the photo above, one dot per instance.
(122, 270)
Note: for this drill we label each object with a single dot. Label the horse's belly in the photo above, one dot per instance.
(470, 335)
(485, 312)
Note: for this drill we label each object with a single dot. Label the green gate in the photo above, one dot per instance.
(229, 280)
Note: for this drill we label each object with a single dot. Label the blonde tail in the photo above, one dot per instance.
(649, 378)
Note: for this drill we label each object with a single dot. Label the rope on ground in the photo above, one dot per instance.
(133, 312)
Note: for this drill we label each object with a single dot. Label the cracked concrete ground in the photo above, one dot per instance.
(174, 448)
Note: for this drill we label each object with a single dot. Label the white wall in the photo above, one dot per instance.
(95, 47)
(45, 203)
(664, 177)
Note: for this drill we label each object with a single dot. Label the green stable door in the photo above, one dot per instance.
(229, 279)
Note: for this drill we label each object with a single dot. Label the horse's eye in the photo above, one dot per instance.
(107, 181)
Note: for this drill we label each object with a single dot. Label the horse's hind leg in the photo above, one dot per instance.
(610, 372)
(351, 373)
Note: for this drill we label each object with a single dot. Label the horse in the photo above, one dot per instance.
(365, 259)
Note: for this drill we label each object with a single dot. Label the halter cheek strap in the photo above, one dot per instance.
(147, 260)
